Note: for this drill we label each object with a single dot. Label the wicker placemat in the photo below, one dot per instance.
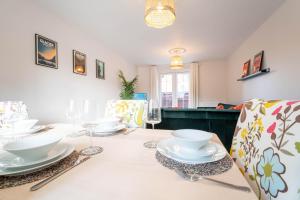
(12, 181)
(207, 169)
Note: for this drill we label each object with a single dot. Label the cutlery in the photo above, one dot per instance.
(195, 177)
(53, 177)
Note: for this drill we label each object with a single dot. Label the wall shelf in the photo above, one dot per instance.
(262, 72)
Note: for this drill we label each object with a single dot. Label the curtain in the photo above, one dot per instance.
(194, 85)
(154, 88)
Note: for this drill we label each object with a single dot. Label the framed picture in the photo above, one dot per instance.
(100, 69)
(79, 63)
(258, 61)
(45, 52)
(246, 68)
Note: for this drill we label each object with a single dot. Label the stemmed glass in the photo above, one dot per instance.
(73, 115)
(89, 117)
(153, 117)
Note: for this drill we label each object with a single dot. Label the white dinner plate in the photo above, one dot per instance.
(19, 133)
(21, 171)
(101, 131)
(170, 149)
(13, 162)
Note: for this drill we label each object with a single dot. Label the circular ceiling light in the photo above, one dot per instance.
(176, 62)
(159, 13)
(176, 58)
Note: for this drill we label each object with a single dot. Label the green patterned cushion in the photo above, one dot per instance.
(132, 112)
(266, 147)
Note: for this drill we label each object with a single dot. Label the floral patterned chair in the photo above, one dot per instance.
(132, 112)
(266, 148)
(11, 111)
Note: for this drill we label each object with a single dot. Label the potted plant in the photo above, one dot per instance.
(128, 87)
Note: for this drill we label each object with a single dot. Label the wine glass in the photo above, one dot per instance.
(89, 117)
(73, 115)
(153, 117)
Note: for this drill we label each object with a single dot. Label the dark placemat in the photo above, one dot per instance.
(206, 169)
(12, 181)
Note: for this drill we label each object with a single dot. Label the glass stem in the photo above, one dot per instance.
(91, 136)
(153, 127)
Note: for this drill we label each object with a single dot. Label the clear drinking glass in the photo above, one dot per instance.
(89, 116)
(153, 117)
(73, 116)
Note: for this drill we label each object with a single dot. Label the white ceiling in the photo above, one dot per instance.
(208, 29)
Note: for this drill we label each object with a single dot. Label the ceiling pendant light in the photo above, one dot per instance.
(176, 58)
(159, 13)
(176, 62)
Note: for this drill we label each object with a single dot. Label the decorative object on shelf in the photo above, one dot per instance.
(257, 62)
(246, 68)
(128, 87)
(79, 63)
(100, 69)
(45, 52)
(261, 72)
(159, 13)
(176, 58)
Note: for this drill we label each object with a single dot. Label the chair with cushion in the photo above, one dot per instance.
(12, 111)
(266, 147)
(132, 112)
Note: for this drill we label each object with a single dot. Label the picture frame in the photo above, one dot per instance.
(79, 63)
(46, 52)
(246, 68)
(100, 69)
(258, 62)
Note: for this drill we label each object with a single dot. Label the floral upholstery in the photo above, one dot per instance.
(11, 111)
(132, 112)
(266, 147)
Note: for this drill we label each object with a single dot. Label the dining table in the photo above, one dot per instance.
(127, 170)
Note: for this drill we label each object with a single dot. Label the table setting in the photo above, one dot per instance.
(102, 151)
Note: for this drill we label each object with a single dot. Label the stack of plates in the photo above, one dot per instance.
(191, 147)
(108, 126)
(33, 153)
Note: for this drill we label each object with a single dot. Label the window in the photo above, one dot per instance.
(174, 90)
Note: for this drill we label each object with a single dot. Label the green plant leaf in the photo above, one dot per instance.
(297, 145)
(286, 152)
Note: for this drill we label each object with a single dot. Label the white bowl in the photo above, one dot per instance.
(108, 122)
(33, 147)
(190, 138)
(24, 124)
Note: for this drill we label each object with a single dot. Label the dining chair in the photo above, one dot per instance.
(132, 112)
(266, 147)
(11, 111)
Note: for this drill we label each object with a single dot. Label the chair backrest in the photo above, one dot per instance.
(132, 112)
(266, 147)
(11, 111)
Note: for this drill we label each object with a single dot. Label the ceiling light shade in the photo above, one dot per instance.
(176, 62)
(159, 13)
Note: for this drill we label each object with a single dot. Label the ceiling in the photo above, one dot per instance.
(208, 29)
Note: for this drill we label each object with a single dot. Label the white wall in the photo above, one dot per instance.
(279, 36)
(213, 77)
(212, 80)
(47, 91)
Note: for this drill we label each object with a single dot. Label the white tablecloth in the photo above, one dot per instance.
(126, 170)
